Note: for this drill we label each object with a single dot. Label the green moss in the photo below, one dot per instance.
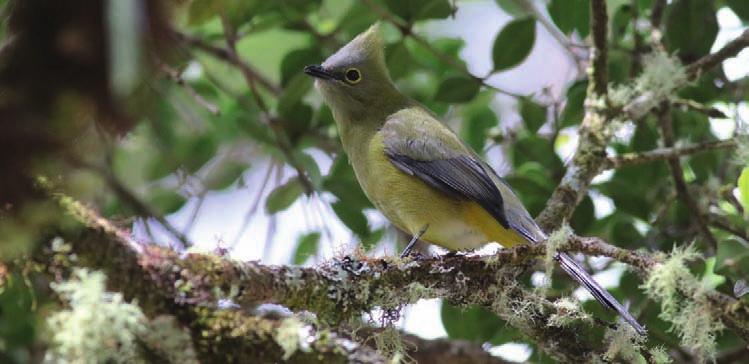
(390, 345)
(568, 311)
(684, 303)
(165, 337)
(624, 343)
(557, 239)
(291, 335)
(658, 355)
(98, 327)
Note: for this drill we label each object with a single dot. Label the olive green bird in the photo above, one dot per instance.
(417, 172)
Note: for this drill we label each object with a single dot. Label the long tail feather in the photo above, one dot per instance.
(601, 295)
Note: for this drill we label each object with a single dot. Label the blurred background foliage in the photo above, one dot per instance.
(144, 109)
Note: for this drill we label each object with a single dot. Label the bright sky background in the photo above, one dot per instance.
(272, 239)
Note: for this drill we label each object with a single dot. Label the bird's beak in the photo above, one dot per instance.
(318, 71)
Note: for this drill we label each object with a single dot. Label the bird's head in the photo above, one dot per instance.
(355, 79)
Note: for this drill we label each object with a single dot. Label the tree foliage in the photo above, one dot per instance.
(114, 114)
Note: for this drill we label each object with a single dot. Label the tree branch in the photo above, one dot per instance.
(629, 159)
(677, 173)
(589, 158)
(219, 335)
(731, 49)
(191, 286)
(175, 76)
(591, 152)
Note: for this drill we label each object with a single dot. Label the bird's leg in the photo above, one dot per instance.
(413, 241)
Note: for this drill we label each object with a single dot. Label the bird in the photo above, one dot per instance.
(418, 172)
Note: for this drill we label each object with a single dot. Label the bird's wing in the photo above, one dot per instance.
(441, 160)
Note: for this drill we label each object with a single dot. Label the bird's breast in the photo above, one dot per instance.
(410, 204)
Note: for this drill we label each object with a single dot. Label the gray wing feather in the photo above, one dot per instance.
(460, 177)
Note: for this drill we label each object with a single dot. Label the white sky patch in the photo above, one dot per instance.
(625, 133)
(602, 205)
(566, 143)
(538, 279)
(603, 177)
(730, 28)
(193, 71)
(641, 226)
(515, 352)
(424, 319)
(608, 278)
(478, 23)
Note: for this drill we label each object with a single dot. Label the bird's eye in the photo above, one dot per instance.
(353, 75)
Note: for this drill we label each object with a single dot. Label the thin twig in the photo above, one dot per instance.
(656, 18)
(194, 214)
(719, 222)
(700, 108)
(226, 56)
(255, 204)
(731, 49)
(599, 22)
(177, 78)
(560, 37)
(131, 199)
(281, 138)
(629, 159)
(677, 173)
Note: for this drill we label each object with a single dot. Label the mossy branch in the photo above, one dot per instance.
(191, 286)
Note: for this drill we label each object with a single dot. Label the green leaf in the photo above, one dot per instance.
(412, 10)
(283, 196)
(732, 256)
(225, 175)
(532, 184)
(709, 278)
(534, 148)
(166, 201)
(293, 62)
(474, 323)
(511, 7)
(399, 60)
(311, 170)
(475, 130)
(740, 7)
(570, 15)
(691, 28)
(533, 114)
(573, 111)
(743, 184)
(584, 216)
(293, 93)
(370, 241)
(457, 89)
(201, 11)
(17, 314)
(352, 217)
(196, 152)
(513, 43)
(306, 247)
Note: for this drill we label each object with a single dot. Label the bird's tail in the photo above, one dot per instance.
(602, 295)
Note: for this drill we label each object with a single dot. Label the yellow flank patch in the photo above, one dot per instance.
(477, 216)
